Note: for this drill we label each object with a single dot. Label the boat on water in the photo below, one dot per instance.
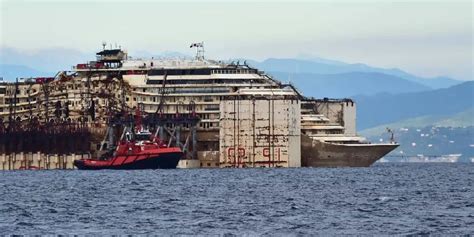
(139, 149)
(135, 155)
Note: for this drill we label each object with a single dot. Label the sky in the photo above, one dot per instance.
(427, 38)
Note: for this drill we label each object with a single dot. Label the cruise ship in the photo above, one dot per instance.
(89, 92)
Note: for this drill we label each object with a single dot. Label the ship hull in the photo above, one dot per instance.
(322, 154)
(159, 161)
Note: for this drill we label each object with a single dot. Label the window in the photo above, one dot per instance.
(211, 107)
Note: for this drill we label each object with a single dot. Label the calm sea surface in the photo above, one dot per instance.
(382, 199)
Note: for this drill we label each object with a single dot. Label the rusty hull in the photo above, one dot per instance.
(322, 154)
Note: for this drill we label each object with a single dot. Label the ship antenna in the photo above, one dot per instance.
(199, 50)
(390, 131)
(104, 44)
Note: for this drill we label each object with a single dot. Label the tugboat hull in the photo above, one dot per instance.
(162, 160)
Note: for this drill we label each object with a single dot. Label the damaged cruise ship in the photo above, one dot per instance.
(246, 117)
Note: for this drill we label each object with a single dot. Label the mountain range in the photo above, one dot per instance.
(11, 72)
(349, 84)
(324, 66)
(49, 60)
(388, 108)
(462, 119)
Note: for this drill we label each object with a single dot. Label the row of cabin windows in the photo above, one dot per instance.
(234, 71)
(200, 115)
(11, 100)
(51, 103)
(188, 90)
(172, 99)
(175, 72)
(208, 125)
(177, 98)
(27, 91)
(317, 122)
(204, 82)
(200, 125)
(185, 107)
(198, 71)
(335, 131)
(20, 109)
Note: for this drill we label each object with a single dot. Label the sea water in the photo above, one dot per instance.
(382, 199)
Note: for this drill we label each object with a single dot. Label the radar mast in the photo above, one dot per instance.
(199, 50)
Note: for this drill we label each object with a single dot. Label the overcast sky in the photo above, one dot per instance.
(428, 38)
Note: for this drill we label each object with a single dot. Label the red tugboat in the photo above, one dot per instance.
(144, 154)
(139, 150)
